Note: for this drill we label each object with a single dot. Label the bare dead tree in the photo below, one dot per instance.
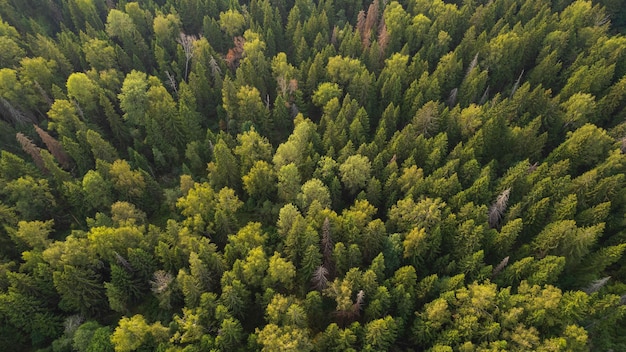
(171, 81)
(426, 119)
(31, 149)
(500, 266)
(365, 23)
(43, 93)
(320, 278)
(372, 17)
(160, 287)
(327, 246)
(186, 41)
(383, 37)
(472, 65)
(360, 23)
(358, 304)
(497, 209)
(516, 85)
(292, 87)
(366, 39)
(601, 20)
(54, 147)
(596, 285)
(122, 261)
(282, 85)
(294, 110)
(12, 114)
(452, 97)
(485, 96)
(215, 69)
(72, 323)
(79, 110)
(333, 36)
(161, 281)
(347, 316)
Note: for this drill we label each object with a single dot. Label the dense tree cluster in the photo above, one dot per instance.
(298, 175)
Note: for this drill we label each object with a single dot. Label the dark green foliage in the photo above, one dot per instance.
(312, 175)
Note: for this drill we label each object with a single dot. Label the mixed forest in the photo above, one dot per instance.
(300, 175)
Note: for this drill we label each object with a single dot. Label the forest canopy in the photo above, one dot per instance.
(299, 175)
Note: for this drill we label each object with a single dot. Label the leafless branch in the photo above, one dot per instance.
(452, 97)
(186, 41)
(472, 65)
(43, 93)
(497, 209)
(360, 299)
(72, 323)
(516, 85)
(500, 266)
(161, 281)
(78, 109)
(485, 96)
(596, 285)
(601, 20)
(327, 245)
(171, 81)
(215, 69)
(320, 278)
(12, 114)
(122, 261)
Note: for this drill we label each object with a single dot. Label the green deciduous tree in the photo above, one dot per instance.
(34, 233)
(232, 22)
(260, 182)
(134, 332)
(313, 191)
(355, 172)
(325, 92)
(133, 97)
(280, 273)
(288, 182)
(252, 147)
(129, 183)
(31, 198)
(226, 208)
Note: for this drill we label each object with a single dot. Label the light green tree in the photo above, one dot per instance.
(355, 172)
(232, 22)
(131, 333)
(313, 190)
